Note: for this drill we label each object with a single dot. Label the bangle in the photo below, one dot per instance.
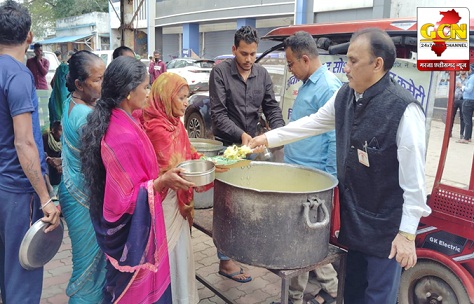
(48, 202)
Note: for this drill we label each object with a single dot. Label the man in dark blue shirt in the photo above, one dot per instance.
(24, 194)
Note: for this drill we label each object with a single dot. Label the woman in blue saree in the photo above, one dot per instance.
(88, 276)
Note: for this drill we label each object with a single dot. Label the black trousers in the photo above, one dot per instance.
(458, 105)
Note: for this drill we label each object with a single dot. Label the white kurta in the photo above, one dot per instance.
(182, 269)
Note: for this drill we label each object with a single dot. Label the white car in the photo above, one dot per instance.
(106, 56)
(53, 63)
(195, 71)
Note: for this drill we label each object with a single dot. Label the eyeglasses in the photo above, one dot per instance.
(290, 64)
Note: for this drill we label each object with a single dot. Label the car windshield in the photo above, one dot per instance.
(180, 63)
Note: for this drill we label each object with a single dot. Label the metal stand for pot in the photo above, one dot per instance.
(203, 222)
(335, 254)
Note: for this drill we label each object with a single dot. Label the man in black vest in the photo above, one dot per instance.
(380, 146)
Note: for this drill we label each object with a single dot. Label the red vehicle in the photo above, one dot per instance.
(445, 240)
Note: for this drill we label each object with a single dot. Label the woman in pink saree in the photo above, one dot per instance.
(161, 121)
(125, 189)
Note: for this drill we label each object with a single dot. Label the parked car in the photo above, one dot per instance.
(220, 58)
(195, 71)
(146, 62)
(53, 63)
(106, 56)
(197, 118)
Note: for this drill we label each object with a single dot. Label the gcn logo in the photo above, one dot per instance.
(444, 44)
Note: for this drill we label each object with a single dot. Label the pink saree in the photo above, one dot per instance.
(132, 230)
(168, 135)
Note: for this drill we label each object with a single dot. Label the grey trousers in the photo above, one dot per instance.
(326, 280)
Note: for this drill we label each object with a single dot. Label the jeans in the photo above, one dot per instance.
(458, 105)
(222, 257)
(17, 212)
(467, 110)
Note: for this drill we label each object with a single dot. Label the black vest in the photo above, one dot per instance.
(371, 198)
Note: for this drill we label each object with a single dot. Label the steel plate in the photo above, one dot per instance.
(38, 248)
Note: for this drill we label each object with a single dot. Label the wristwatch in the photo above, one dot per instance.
(408, 236)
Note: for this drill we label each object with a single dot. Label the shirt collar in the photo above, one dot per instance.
(317, 74)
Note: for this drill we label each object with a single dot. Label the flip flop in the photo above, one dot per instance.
(232, 275)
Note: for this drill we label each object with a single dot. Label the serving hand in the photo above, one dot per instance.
(258, 143)
(245, 138)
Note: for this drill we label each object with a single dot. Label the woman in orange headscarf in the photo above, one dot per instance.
(161, 120)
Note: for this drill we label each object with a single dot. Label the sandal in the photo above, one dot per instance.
(232, 275)
(463, 141)
(327, 299)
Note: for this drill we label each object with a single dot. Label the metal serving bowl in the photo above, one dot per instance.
(208, 147)
(198, 171)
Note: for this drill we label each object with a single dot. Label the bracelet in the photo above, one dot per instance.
(408, 236)
(48, 202)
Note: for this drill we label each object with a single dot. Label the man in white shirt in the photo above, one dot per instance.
(380, 146)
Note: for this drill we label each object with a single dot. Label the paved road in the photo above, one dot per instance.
(265, 286)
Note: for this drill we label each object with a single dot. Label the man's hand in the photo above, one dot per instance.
(51, 215)
(258, 143)
(245, 139)
(404, 251)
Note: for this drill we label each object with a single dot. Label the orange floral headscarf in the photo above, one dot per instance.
(167, 132)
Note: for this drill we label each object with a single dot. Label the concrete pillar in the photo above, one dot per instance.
(158, 45)
(150, 16)
(190, 38)
(300, 11)
(381, 9)
(246, 21)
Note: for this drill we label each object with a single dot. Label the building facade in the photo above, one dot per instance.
(207, 27)
(85, 32)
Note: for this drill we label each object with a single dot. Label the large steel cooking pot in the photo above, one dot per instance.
(273, 215)
(208, 147)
